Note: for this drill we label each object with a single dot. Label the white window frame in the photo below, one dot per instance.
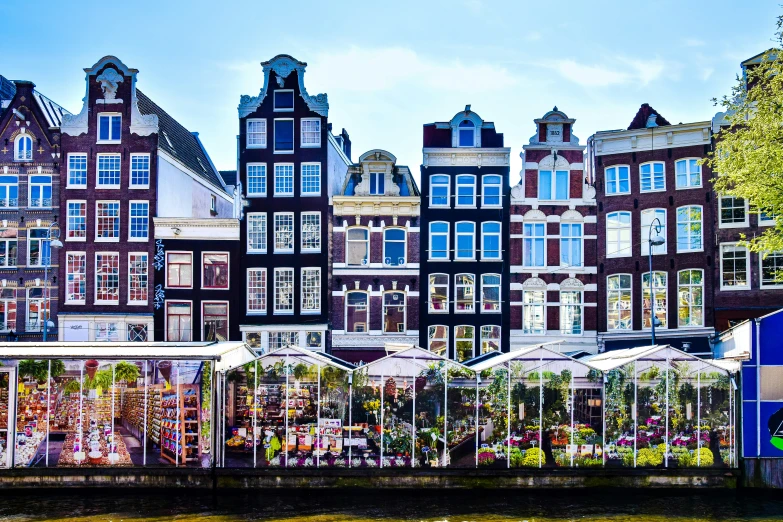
(302, 142)
(379, 180)
(95, 277)
(204, 304)
(499, 234)
(447, 234)
(542, 304)
(141, 302)
(460, 129)
(7, 241)
(83, 205)
(9, 202)
(404, 246)
(766, 222)
(619, 243)
(404, 307)
(484, 195)
(7, 302)
(111, 138)
(41, 247)
(688, 174)
(652, 291)
(457, 235)
(293, 136)
(17, 141)
(565, 306)
(180, 338)
(482, 338)
(290, 250)
(430, 285)
(761, 270)
(102, 186)
(313, 289)
(701, 229)
(263, 181)
(652, 177)
(748, 275)
(81, 156)
(348, 242)
(261, 134)
(138, 186)
(472, 195)
(251, 291)
(431, 339)
(617, 168)
(620, 290)
(448, 191)
(68, 274)
(44, 305)
(553, 184)
(366, 322)
(743, 224)
(533, 239)
(302, 179)
(302, 237)
(691, 307)
(274, 100)
(499, 287)
(228, 270)
(293, 185)
(658, 250)
(457, 285)
(192, 271)
(472, 340)
(277, 310)
(146, 238)
(572, 239)
(41, 186)
(264, 233)
(113, 239)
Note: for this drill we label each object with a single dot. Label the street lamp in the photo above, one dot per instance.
(653, 242)
(53, 243)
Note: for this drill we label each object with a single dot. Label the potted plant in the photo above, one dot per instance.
(125, 371)
(91, 367)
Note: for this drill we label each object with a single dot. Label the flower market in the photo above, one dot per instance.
(223, 405)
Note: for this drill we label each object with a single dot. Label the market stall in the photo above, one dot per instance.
(667, 408)
(537, 408)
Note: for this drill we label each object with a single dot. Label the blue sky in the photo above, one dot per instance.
(390, 67)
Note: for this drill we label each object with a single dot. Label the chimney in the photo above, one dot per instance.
(346, 140)
(24, 87)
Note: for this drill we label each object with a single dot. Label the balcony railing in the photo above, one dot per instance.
(9, 203)
(40, 202)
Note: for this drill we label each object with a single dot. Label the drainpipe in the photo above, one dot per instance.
(758, 386)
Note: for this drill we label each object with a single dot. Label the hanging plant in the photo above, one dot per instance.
(391, 386)
(72, 386)
(125, 371)
(301, 371)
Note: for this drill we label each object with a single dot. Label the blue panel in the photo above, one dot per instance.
(749, 383)
(771, 426)
(749, 427)
(771, 340)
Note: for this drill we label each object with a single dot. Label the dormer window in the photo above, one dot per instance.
(109, 127)
(284, 100)
(467, 134)
(23, 148)
(377, 180)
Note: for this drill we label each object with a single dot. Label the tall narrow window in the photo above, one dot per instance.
(140, 171)
(571, 244)
(533, 244)
(689, 229)
(357, 312)
(76, 278)
(214, 269)
(652, 177)
(659, 294)
(490, 240)
(690, 296)
(284, 232)
(466, 240)
(7, 309)
(619, 302)
(311, 290)
(256, 179)
(256, 134)
(40, 190)
(571, 312)
(76, 226)
(256, 290)
(491, 187)
(439, 240)
(179, 270)
(467, 134)
(553, 185)
(9, 191)
(771, 269)
(439, 191)
(734, 267)
(688, 173)
(377, 183)
(23, 148)
(438, 339)
(618, 180)
(490, 339)
(618, 234)
(138, 282)
(107, 278)
(284, 179)
(490, 293)
(284, 291)
(37, 309)
(77, 170)
(439, 293)
(311, 179)
(394, 312)
(464, 339)
(357, 249)
(38, 247)
(394, 247)
(108, 171)
(256, 233)
(107, 220)
(9, 244)
(311, 232)
(284, 136)
(109, 127)
(534, 312)
(465, 290)
(648, 217)
(215, 318)
(466, 190)
(311, 132)
(139, 221)
(179, 323)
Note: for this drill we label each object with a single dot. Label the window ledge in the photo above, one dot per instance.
(733, 225)
(282, 313)
(110, 303)
(138, 240)
(689, 188)
(310, 194)
(283, 251)
(310, 146)
(137, 303)
(107, 240)
(138, 187)
(76, 187)
(255, 146)
(109, 142)
(610, 194)
(310, 312)
(651, 191)
(284, 152)
(254, 313)
(733, 288)
(75, 303)
(107, 187)
(262, 195)
(75, 239)
(284, 195)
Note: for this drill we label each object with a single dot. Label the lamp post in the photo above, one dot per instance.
(53, 243)
(653, 242)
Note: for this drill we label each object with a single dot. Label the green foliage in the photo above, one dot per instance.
(516, 457)
(125, 371)
(72, 386)
(38, 370)
(650, 456)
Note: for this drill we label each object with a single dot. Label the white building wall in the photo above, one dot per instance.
(180, 195)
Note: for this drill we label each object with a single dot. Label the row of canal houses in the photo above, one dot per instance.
(303, 245)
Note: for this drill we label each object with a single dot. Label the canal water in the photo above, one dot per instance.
(367, 505)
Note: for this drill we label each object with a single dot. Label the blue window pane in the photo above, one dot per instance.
(539, 252)
(624, 179)
(284, 135)
(561, 179)
(439, 227)
(115, 127)
(576, 252)
(466, 138)
(545, 184)
(104, 128)
(539, 229)
(284, 100)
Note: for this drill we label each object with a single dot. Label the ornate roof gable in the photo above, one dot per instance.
(283, 65)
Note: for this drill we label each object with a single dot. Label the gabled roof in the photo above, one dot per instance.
(640, 120)
(181, 144)
(756, 59)
(52, 111)
(229, 177)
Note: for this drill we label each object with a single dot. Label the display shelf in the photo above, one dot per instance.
(180, 427)
(133, 412)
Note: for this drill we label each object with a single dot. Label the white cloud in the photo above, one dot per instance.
(623, 71)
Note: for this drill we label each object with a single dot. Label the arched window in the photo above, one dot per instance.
(490, 339)
(357, 246)
(439, 240)
(439, 293)
(688, 173)
(465, 240)
(438, 339)
(690, 296)
(394, 312)
(394, 247)
(652, 176)
(464, 339)
(467, 134)
(23, 148)
(357, 317)
(490, 240)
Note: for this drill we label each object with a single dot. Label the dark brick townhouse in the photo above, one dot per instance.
(375, 265)
(464, 238)
(127, 161)
(554, 285)
(646, 172)
(30, 158)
